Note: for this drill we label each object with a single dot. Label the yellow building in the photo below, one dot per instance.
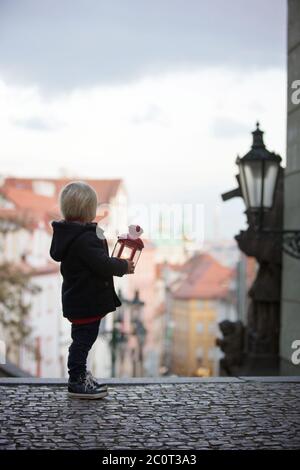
(200, 300)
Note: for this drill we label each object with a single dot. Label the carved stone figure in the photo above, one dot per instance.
(232, 344)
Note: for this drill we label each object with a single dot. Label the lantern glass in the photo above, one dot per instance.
(270, 179)
(127, 252)
(253, 174)
(258, 181)
(136, 256)
(117, 249)
(243, 184)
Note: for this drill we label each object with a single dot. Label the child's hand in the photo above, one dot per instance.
(130, 266)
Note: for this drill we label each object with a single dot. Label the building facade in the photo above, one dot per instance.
(290, 306)
(24, 247)
(32, 202)
(200, 300)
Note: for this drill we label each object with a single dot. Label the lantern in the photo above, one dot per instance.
(129, 245)
(258, 174)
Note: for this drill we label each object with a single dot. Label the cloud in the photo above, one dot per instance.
(227, 128)
(67, 44)
(111, 131)
(36, 123)
(152, 114)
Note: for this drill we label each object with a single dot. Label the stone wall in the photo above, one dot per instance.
(290, 319)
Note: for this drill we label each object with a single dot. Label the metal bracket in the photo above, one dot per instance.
(291, 243)
(289, 239)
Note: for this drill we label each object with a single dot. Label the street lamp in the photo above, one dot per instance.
(253, 350)
(136, 305)
(258, 177)
(138, 329)
(118, 337)
(140, 332)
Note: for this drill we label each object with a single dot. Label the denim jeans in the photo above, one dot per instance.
(83, 336)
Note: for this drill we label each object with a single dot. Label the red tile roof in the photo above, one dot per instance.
(106, 188)
(204, 278)
(33, 207)
(160, 268)
(30, 208)
(27, 199)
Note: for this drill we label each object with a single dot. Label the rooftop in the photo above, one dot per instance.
(25, 200)
(106, 188)
(204, 278)
(164, 413)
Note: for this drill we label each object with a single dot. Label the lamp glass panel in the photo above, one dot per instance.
(244, 185)
(271, 173)
(116, 249)
(127, 252)
(136, 256)
(253, 179)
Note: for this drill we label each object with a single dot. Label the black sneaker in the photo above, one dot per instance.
(86, 388)
(95, 381)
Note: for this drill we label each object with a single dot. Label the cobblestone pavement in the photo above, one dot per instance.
(243, 415)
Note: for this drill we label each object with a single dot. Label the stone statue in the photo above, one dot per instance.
(232, 344)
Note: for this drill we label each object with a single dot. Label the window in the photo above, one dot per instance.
(199, 353)
(44, 188)
(199, 327)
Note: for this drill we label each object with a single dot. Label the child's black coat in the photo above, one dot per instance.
(87, 270)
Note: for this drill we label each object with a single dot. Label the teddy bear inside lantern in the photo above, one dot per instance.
(129, 245)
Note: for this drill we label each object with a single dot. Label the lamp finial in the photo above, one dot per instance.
(258, 141)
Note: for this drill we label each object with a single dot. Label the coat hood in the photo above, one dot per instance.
(64, 234)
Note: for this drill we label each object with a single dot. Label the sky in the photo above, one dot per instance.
(163, 94)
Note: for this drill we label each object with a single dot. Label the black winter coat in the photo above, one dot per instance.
(87, 270)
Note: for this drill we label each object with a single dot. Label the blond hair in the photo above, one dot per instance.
(78, 201)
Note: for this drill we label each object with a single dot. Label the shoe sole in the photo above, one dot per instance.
(105, 387)
(84, 396)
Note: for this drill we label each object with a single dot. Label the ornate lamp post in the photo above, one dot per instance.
(258, 177)
(117, 337)
(136, 305)
(140, 333)
(254, 349)
(138, 329)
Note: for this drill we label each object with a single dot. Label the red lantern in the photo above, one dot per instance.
(129, 245)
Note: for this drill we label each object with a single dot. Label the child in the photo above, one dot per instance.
(88, 292)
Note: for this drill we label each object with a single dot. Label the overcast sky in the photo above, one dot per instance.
(162, 93)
